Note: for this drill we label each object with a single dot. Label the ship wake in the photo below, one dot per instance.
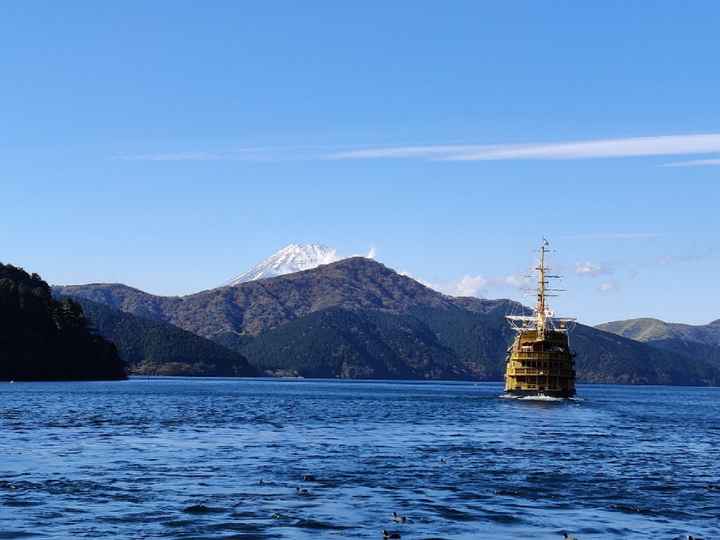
(539, 397)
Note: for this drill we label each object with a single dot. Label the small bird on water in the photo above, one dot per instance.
(397, 518)
(391, 534)
(302, 492)
(567, 536)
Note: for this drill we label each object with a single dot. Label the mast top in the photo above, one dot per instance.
(543, 318)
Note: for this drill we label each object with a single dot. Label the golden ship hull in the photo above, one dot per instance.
(540, 364)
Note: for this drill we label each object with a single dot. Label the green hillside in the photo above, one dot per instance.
(700, 342)
(157, 348)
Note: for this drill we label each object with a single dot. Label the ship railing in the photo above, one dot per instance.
(550, 388)
(518, 355)
(541, 372)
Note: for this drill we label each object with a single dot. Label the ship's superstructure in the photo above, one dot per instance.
(540, 362)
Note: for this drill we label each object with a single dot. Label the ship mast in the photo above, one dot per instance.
(540, 311)
(543, 319)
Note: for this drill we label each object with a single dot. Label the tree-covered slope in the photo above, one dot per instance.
(656, 330)
(480, 339)
(46, 339)
(158, 348)
(604, 357)
(693, 341)
(337, 342)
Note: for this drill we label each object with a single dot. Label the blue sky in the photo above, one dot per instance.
(171, 145)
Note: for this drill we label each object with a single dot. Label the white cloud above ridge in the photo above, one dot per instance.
(478, 285)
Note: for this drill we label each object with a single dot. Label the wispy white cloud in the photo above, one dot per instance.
(479, 285)
(590, 269)
(467, 286)
(611, 236)
(694, 163)
(236, 154)
(608, 287)
(663, 145)
(666, 260)
(176, 156)
(439, 151)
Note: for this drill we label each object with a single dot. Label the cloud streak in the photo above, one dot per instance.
(480, 286)
(611, 236)
(237, 154)
(590, 269)
(608, 287)
(175, 156)
(663, 145)
(695, 163)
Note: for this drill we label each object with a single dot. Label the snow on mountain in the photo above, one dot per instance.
(291, 258)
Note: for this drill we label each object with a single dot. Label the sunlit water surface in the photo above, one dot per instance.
(220, 458)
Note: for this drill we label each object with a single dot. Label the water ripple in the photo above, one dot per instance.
(210, 458)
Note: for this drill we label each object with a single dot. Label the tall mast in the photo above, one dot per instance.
(540, 310)
(543, 319)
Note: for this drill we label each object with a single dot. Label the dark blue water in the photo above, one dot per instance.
(219, 458)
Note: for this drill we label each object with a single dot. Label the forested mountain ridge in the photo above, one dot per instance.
(695, 341)
(358, 318)
(649, 330)
(256, 306)
(46, 339)
(253, 307)
(151, 347)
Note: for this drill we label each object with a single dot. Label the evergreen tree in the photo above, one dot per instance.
(45, 339)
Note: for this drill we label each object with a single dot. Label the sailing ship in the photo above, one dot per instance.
(539, 361)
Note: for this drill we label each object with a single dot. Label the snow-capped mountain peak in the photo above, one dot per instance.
(291, 258)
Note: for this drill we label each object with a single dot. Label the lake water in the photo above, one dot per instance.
(222, 458)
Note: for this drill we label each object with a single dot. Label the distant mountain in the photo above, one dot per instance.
(358, 318)
(366, 344)
(46, 339)
(654, 330)
(257, 306)
(290, 259)
(157, 348)
(697, 341)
